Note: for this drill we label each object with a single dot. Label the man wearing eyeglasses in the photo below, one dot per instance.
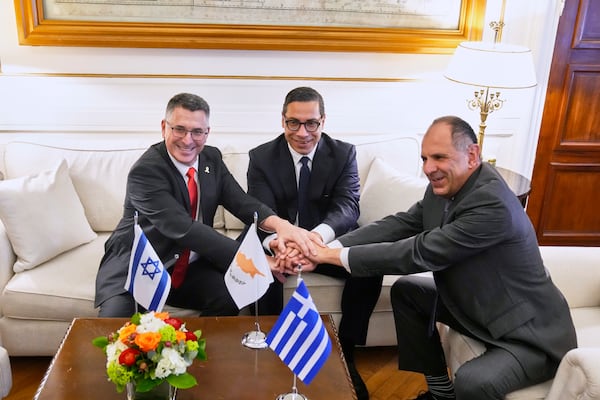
(331, 202)
(175, 188)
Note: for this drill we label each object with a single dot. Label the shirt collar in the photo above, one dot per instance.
(181, 167)
(297, 156)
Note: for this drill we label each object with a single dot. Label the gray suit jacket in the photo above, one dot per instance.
(158, 192)
(334, 182)
(486, 264)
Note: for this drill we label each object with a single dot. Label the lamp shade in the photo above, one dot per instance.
(494, 65)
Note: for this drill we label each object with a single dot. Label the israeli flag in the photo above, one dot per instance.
(147, 280)
(299, 337)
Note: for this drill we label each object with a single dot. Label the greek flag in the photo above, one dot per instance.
(299, 337)
(147, 280)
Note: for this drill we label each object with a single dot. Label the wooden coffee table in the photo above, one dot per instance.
(231, 372)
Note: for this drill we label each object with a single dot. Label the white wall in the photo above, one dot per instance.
(102, 91)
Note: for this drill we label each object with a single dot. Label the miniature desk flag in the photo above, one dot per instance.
(249, 275)
(299, 337)
(147, 280)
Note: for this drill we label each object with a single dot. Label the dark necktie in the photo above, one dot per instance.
(303, 207)
(183, 262)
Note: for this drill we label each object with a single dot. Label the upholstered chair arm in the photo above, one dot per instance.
(7, 258)
(578, 376)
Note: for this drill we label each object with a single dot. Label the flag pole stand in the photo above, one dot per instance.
(293, 395)
(135, 222)
(255, 339)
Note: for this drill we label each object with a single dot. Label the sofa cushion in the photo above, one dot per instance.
(237, 164)
(388, 191)
(567, 265)
(60, 289)
(401, 153)
(43, 216)
(587, 325)
(99, 176)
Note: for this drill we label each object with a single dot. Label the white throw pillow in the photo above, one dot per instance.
(388, 191)
(43, 216)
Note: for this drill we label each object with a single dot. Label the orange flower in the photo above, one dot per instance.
(126, 332)
(147, 341)
(161, 315)
(179, 335)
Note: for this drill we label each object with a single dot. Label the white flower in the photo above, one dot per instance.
(149, 323)
(113, 350)
(171, 363)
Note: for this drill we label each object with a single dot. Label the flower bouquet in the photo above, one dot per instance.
(149, 350)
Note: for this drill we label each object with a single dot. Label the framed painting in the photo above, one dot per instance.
(407, 26)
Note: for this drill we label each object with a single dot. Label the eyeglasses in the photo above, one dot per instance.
(294, 125)
(179, 132)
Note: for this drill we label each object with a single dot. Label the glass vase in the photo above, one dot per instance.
(164, 391)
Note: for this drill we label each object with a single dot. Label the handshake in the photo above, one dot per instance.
(296, 249)
(292, 257)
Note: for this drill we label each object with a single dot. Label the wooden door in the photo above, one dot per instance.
(564, 205)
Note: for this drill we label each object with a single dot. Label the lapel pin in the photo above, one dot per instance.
(206, 170)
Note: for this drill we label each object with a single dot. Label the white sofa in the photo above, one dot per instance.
(576, 271)
(37, 304)
(60, 236)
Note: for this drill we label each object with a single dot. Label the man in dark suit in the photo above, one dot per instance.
(489, 279)
(158, 192)
(330, 205)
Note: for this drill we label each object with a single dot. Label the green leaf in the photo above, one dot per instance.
(136, 318)
(145, 385)
(100, 341)
(201, 350)
(183, 381)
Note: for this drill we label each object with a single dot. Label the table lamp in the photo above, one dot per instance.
(491, 66)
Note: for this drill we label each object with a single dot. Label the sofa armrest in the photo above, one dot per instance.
(7, 258)
(575, 271)
(578, 376)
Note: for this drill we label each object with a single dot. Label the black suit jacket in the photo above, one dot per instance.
(334, 182)
(486, 263)
(158, 192)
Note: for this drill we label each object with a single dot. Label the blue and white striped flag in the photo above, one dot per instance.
(299, 337)
(147, 280)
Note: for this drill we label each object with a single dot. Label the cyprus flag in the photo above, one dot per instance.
(249, 275)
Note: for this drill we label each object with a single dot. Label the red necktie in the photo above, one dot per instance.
(183, 262)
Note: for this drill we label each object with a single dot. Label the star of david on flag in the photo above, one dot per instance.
(299, 337)
(147, 280)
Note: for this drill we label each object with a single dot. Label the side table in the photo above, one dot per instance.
(520, 185)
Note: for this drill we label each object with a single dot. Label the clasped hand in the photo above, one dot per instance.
(289, 260)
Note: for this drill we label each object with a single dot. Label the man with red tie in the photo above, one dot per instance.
(176, 187)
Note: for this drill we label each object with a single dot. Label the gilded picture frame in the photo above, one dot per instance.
(36, 30)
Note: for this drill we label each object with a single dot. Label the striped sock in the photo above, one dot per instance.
(440, 387)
